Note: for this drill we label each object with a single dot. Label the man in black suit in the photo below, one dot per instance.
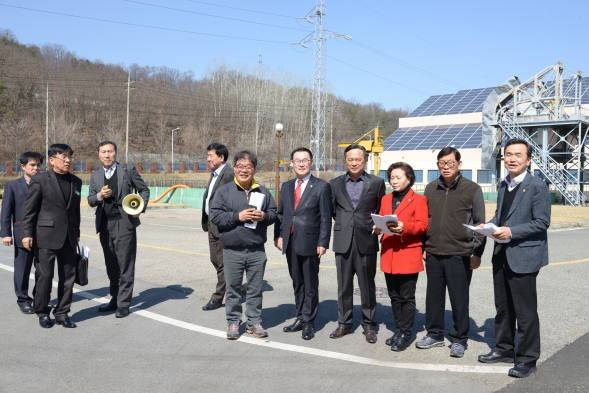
(523, 218)
(221, 173)
(356, 195)
(302, 231)
(51, 223)
(13, 204)
(108, 187)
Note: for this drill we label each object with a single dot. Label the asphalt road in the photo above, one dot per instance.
(169, 344)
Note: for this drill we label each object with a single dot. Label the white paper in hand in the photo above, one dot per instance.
(381, 222)
(256, 199)
(488, 231)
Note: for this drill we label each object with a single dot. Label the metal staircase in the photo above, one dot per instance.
(552, 170)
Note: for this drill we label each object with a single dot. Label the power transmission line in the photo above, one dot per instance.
(213, 16)
(144, 26)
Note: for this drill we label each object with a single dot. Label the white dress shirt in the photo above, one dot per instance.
(303, 184)
(512, 183)
(216, 174)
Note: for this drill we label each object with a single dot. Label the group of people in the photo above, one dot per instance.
(41, 218)
(237, 212)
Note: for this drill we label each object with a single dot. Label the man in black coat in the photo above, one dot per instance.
(118, 235)
(13, 204)
(221, 174)
(356, 195)
(302, 231)
(51, 223)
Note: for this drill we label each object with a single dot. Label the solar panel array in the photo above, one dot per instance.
(464, 101)
(461, 136)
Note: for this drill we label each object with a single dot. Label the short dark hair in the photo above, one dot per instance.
(104, 143)
(246, 155)
(220, 150)
(517, 141)
(356, 146)
(59, 148)
(409, 173)
(449, 150)
(301, 149)
(30, 155)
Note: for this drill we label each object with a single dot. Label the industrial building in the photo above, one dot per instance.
(550, 110)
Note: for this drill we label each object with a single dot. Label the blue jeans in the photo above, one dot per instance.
(253, 263)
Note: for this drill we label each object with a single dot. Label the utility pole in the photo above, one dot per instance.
(258, 81)
(129, 88)
(47, 127)
(316, 16)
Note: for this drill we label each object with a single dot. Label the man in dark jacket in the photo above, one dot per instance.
(356, 195)
(242, 211)
(302, 232)
(221, 173)
(13, 204)
(51, 222)
(452, 251)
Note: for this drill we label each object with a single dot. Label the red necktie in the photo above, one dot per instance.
(297, 198)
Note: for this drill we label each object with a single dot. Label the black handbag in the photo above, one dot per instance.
(82, 269)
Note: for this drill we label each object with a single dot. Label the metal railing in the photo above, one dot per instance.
(550, 168)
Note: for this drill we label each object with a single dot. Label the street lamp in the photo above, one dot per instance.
(277, 165)
(175, 129)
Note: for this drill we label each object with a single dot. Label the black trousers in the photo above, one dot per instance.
(453, 272)
(516, 300)
(304, 271)
(364, 266)
(401, 289)
(216, 253)
(119, 245)
(23, 262)
(67, 261)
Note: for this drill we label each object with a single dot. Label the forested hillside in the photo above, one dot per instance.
(230, 104)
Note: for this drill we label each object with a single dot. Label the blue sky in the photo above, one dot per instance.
(402, 51)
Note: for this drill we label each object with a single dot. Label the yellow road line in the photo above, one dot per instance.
(573, 262)
(193, 252)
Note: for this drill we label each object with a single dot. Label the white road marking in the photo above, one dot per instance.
(295, 348)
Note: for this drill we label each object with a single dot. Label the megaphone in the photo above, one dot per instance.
(133, 204)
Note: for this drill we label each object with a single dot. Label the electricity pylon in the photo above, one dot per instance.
(317, 17)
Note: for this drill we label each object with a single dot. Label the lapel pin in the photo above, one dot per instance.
(524, 190)
(311, 185)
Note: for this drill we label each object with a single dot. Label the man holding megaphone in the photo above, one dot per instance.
(112, 191)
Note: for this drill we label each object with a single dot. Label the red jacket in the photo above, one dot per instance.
(402, 254)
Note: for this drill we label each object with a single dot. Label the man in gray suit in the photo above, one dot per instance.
(221, 173)
(355, 196)
(108, 187)
(523, 217)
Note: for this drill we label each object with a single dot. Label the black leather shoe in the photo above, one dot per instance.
(391, 340)
(495, 357)
(370, 336)
(122, 312)
(45, 322)
(308, 332)
(211, 305)
(522, 370)
(66, 323)
(340, 332)
(27, 310)
(110, 306)
(295, 327)
(401, 343)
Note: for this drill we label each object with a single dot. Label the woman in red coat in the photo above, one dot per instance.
(401, 253)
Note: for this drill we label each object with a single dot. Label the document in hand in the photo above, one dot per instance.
(381, 222)
(488, 231)
(256, 199)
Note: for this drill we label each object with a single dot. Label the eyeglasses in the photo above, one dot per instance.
(449, 164)
(244, 168)
(64, 158)
(304, 161)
